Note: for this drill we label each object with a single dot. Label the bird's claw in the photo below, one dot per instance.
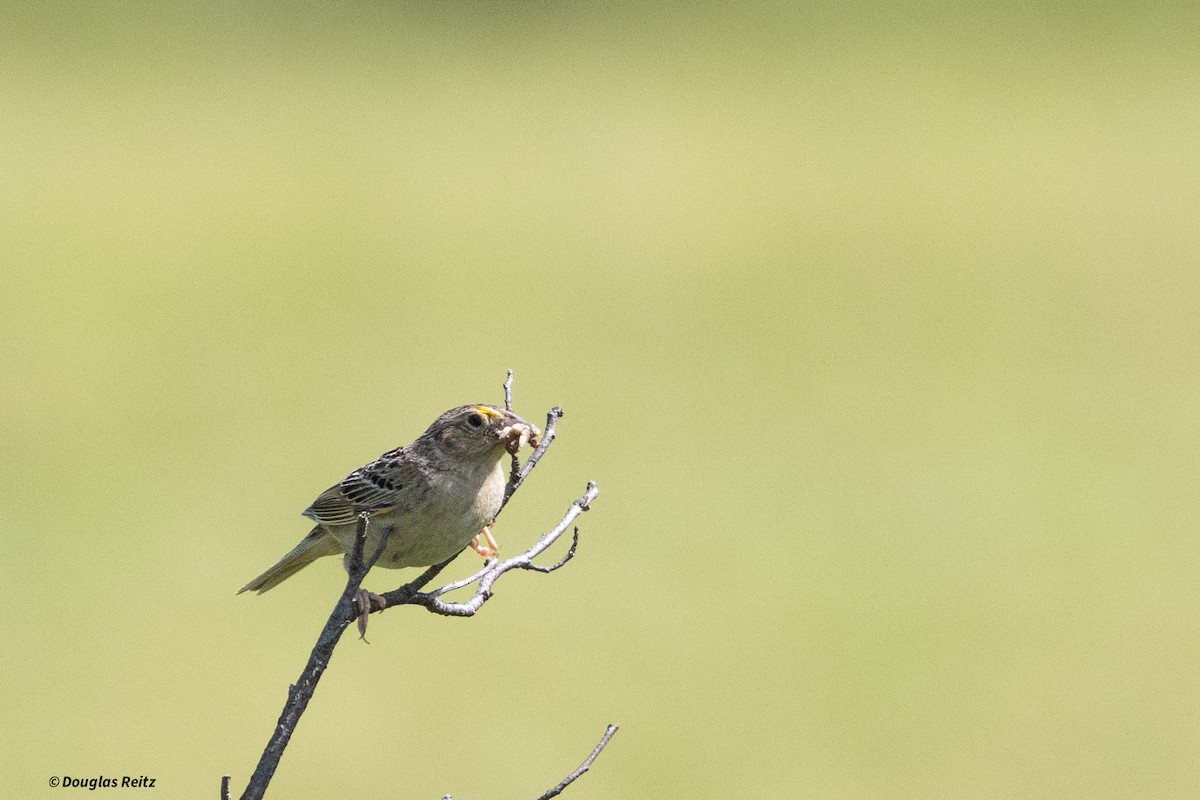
(485, 544)
(362, 602)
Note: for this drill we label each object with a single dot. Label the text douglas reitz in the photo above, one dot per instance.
(101, 782)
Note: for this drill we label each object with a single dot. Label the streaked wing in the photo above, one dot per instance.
(383, 483)
(332, 508)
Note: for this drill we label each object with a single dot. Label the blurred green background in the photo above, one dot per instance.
(876, 327)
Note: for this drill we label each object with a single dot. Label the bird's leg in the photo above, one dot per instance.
(362, 602)
(484, 544)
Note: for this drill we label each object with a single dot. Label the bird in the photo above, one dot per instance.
(432, 497)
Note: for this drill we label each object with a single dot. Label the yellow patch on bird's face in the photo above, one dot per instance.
(490, 413)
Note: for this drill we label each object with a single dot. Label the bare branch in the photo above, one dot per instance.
(587, 763)
(518, 477)
(562, 561)
(357, 565)
(516, 462)
(609, 732)
(487, 577)
(301, 692)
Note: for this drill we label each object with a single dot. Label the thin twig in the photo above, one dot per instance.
(518, 477)
(587, 763)
(360, 541)
(403, 595)
(486, 577)
(609, 732)
(562, 561)
(516, 462)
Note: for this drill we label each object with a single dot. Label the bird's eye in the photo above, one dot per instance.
(475, 421)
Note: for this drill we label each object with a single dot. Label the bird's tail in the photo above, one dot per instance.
(316, 545)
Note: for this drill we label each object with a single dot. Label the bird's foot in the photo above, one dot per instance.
(484, 544)
(362, 601)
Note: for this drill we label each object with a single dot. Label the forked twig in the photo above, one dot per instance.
(486, 577)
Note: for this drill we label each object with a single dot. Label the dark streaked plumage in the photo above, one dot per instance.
(433, 496)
